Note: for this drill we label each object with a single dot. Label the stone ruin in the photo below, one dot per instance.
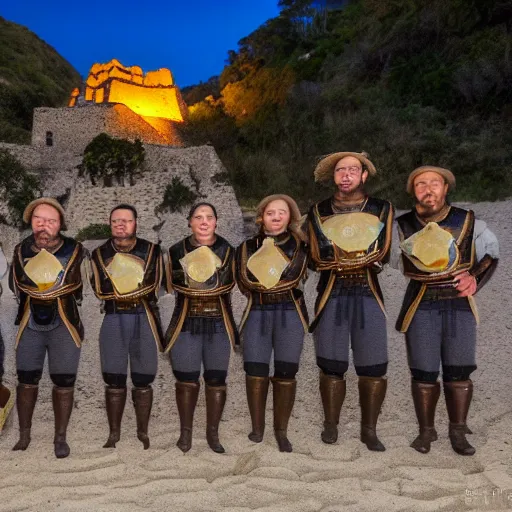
(124, 103)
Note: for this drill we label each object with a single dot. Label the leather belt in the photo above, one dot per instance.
(112, 307)
(270, 298)
(204, 307)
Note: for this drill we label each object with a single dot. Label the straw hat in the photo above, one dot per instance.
(324, 171)
(29, 210)
(445, 173)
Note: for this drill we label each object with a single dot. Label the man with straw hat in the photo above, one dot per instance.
(127, 276)
(46, 278)
(448, 256)
(350, 239)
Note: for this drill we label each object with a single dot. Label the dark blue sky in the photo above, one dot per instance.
(190, 38)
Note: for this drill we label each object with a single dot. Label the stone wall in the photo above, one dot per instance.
(28, 155)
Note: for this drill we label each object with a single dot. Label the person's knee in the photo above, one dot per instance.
(115, 380)
(257, 369)
(374, 370)
(453, 373)
(141, 380)
(424, 376)
(29, 377)
(215, 377)
(187, 376)
(332, 367)
(63, 380)
(285, 370)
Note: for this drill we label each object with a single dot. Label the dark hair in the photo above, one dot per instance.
(123, 206)
(198, 205)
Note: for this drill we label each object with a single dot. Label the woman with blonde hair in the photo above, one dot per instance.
(270, 268)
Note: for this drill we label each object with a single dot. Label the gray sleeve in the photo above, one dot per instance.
(3, 264)
(395, 258)
(485, 241)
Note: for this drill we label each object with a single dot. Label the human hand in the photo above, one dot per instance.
(466, 284)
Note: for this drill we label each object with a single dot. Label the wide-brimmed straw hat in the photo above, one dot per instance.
(445, 173)
(29, 210)
(324, 170)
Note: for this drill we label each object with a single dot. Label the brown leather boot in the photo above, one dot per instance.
(26, 397)
(284, 398)
(372, 391)
(332, 390)
(186, 400)
(425, 396)
(115, 400)
(257, 392)
(142, 401)
(215, 401)
(62, 399)
(458, 397)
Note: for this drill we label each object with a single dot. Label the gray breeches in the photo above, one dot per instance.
(356, 321)
(128, 337)
(442, 332)
(276, 327)
(63, 354)
(211, 347)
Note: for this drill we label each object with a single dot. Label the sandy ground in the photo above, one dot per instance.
(315, 477)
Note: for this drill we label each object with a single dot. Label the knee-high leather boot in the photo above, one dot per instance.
(257, 392)
(284, 398)
(26, 398)
(186, 400)
(215, 401)
(115, 400)
(332, 390)
(143, 401)
(62, 399)
(458, 397)
(372, 391)
(425, 396)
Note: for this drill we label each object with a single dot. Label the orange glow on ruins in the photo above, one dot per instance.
(153, 95)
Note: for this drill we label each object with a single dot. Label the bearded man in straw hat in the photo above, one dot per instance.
(46, 277)
(350, 240)
(127, 275)
(448, 256)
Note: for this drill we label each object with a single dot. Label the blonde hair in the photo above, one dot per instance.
(295, 224)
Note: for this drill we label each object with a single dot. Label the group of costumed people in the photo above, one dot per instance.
(447, 255)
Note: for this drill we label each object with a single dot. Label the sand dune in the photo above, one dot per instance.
(315, 477)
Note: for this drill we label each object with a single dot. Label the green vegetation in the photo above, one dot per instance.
(32, 74)
(176, 196)
(106, 158)
(17, 187)
(410, 82)
(94, 232)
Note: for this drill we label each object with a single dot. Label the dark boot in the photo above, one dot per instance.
(458, 397)
(186, 400)
(26, 397)
(115, 400)
(425, 396)
(284, 398)
(257, 391)
(372, 391)
(332, 390)
(143, 401)
(62, 399)
(215, 401)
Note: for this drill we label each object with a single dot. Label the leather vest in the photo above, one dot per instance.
(460, 224)
(327, 256)
(287, 290)
(60, 299)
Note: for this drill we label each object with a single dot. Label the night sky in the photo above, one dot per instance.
(190, 38)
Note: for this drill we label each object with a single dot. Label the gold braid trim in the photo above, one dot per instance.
(72, 331)
(179, 325)
(24, 321)
(228, 324)
(325, 295)
(152, 324)
(412, 309)
(373, 288)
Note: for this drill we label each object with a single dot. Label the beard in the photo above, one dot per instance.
(45, 239)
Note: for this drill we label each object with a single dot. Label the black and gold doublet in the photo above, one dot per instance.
(210, 299)
(333, 263)
(58, 300)
(438, 285)
(150, 256)
(287, 289)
